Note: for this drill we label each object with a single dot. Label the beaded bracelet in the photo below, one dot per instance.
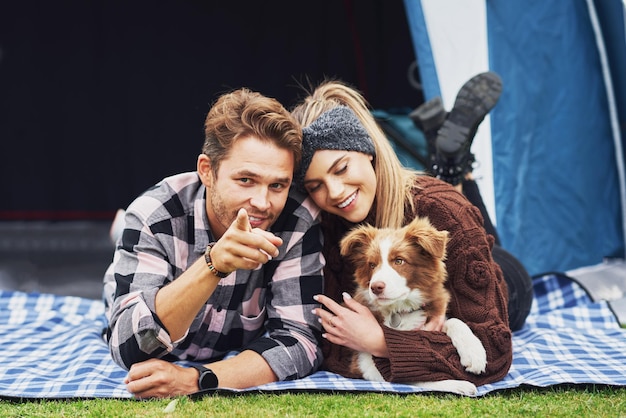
(209, 263)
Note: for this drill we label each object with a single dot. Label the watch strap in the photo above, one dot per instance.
(206, 378)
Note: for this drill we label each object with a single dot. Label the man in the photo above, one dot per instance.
(198, 274)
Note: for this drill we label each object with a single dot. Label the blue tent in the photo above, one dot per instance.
(551, 153)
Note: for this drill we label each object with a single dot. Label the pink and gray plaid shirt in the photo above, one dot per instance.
(267, 310)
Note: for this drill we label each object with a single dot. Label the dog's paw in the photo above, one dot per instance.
(368, 368)
(461, 387)
(473, 356)
(471, 351)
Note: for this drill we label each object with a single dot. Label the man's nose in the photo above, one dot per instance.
(260, 199)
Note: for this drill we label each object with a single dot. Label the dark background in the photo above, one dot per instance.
(101, 99)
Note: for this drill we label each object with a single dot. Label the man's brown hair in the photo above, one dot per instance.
(243, 113)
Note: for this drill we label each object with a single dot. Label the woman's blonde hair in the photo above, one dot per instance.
(394, 181)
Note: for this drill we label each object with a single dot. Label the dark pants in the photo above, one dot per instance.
(517, 278)
(520, 286)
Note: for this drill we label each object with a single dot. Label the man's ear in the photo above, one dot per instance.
(204, 168)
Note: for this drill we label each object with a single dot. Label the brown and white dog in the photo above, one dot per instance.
(400, 276)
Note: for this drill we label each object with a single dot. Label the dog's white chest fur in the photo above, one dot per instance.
(406, 321)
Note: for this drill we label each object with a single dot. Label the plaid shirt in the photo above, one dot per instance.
(267, 310)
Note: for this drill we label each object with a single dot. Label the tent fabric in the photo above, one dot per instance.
(51, 348)
(439, 52)
(406, 139)
(557, 162)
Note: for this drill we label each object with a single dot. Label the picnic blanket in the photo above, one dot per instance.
(50, 347)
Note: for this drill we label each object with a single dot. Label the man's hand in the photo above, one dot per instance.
(242, 247)
(157, 378)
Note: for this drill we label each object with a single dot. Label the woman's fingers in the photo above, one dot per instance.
(330, 304)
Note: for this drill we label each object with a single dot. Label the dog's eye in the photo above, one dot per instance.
(372, 266)
(398, 261)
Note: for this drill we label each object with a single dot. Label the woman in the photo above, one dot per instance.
(353, 174)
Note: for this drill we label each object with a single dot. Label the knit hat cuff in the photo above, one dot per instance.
(336, 129)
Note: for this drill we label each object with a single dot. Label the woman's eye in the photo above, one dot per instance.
(311, 189)
(343, 169)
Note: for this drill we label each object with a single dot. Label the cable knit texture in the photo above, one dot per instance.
(478, 290)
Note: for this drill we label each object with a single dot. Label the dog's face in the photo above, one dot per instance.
(398, 269)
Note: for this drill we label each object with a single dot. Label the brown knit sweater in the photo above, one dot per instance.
(478, 290)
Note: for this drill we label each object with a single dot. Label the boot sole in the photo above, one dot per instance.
(473, 102)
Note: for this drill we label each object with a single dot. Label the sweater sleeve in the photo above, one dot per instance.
(478, 297)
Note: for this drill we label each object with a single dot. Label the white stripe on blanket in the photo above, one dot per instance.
(50, 347)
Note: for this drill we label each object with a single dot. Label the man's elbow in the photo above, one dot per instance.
(130, 352)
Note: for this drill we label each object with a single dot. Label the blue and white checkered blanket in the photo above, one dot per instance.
(50, 347)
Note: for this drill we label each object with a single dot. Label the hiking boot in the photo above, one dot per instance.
(475, 99)
(428, 118)
(430, 115)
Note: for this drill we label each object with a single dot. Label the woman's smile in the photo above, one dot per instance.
(349, 200)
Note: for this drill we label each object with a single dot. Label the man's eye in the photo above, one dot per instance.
(277, 186)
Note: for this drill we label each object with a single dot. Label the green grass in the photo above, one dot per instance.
(564, 401)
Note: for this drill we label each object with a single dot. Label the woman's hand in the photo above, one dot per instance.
(434, 323)
(353, 326)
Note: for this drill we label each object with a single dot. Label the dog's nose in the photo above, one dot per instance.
(377, 287)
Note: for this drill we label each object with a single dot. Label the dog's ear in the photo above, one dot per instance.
(428, 237)
(355, 241)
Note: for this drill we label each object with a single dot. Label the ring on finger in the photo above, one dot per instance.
(330, 321)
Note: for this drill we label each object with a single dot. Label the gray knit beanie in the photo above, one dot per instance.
(336, 129)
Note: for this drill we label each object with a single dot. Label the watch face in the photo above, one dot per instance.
(207, 380)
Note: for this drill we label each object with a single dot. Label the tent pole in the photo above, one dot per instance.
(608, 83)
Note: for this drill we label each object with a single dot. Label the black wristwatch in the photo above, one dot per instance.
(207, 379)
